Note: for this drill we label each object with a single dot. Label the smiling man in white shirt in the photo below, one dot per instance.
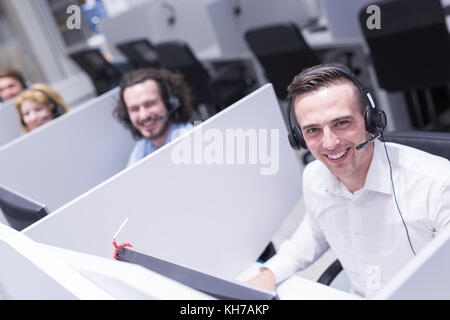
(374, 222)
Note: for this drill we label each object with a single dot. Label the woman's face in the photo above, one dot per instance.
(35, 114)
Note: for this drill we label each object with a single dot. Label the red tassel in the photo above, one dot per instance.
(117, 247)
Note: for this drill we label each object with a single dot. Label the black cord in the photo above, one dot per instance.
(395, 197)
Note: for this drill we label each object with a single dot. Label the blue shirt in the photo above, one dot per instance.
(144, 147)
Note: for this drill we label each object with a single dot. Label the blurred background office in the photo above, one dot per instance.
(227, 48)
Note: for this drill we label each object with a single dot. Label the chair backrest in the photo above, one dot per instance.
(177, 56)
(282, 52)
(103, 74)
(412, 47)
(140, 53)
(437, 143)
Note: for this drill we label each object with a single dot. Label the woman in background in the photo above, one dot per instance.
(38, 105)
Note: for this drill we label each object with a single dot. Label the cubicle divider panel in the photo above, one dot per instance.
(9, 123)
(210, 200)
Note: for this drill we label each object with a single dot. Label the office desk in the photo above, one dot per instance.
(298, 288)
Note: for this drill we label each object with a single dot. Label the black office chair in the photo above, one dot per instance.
(140, 53)
(282, 52)
(217, 90)
(410, 53)
(104, 75)
(437, 143)
(268, 252)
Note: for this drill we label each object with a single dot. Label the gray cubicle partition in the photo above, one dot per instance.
(210, 200)
(66, 157)
(9, 123)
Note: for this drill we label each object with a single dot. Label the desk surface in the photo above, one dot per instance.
(298, 288)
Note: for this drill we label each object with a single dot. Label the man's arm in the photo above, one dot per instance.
(266, 280)
(301, 250)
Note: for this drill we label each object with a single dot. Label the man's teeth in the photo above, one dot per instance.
(337, 155)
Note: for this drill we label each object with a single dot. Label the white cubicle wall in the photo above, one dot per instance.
(48, 272)
(216, 217)
(425, 277)
(160, 21)
(9, 123)
(59, 161)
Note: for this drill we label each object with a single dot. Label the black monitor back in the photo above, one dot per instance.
(140, 53)
(177, 56)
(282, 52)
(104, 75)
(19, 212)
(411, 50)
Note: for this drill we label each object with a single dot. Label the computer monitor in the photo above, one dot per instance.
(20, 211)
(140, 53)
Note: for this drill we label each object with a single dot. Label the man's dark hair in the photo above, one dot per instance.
(163, 78)
(11, 73)
(323, 78)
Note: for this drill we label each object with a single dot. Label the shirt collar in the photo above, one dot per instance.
(377, 179)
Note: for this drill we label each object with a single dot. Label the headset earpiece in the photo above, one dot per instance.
(57, 111)
(173, 101)
(295, 135)
(375, 120)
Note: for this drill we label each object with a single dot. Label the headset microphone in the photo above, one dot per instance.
(364, 144)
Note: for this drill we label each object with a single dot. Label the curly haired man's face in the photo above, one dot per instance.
(144, 104)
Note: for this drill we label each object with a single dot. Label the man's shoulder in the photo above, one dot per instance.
(413, 159)
(314, 169)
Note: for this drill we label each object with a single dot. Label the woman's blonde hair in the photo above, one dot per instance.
(42, 93)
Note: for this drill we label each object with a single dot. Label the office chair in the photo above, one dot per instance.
(215, 90)
(104, 75)
(282, 52)
(140, 53)
(410, 54)
(437, 143)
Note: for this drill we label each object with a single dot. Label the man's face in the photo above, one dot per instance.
(144, 103)
(332, 127)
(9, 88)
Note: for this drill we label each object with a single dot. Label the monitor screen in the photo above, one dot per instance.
(19, 211)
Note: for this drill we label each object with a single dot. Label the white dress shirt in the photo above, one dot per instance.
(365, 229)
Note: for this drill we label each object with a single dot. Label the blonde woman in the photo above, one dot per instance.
(38, 105)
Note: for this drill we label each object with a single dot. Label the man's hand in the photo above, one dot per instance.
(266, 280)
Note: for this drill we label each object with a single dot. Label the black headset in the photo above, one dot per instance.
(375, 118)
(172, 104)
(57, 109)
